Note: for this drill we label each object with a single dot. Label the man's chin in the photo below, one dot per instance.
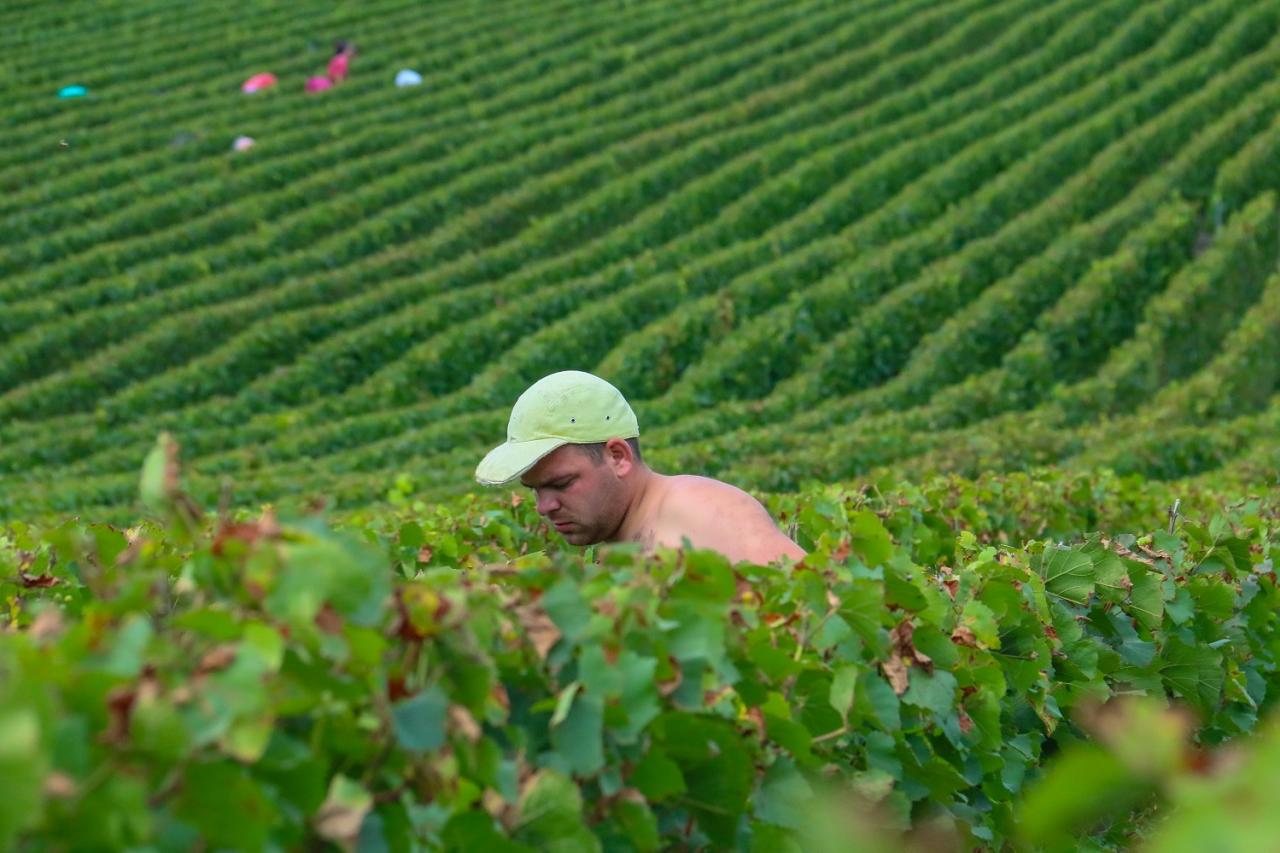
(576, 537)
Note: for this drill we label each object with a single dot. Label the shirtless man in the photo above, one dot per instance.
(574, 440)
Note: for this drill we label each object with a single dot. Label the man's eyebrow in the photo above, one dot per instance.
(546, 482)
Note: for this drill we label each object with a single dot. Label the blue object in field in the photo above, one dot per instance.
(408, 77)
(72, 92)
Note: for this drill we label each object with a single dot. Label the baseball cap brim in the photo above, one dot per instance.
(509, 460)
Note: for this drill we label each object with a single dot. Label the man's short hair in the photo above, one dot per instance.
(596, 451)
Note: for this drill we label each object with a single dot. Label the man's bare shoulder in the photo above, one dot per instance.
(695, 492)
(711, 501)
(718, 515)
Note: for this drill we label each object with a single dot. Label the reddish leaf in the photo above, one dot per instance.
(248, 532)
(329, 620)
(120, 703)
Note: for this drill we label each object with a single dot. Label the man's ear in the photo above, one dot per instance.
(619, 456)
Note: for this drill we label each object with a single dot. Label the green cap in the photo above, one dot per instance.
(569, 407)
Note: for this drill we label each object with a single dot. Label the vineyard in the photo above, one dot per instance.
(982, 298)
(807, 241)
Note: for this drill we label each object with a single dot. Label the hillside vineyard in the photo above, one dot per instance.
(810, 241)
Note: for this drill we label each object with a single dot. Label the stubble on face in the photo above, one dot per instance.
(588, 499)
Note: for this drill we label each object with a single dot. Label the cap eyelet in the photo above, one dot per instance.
(573, 420)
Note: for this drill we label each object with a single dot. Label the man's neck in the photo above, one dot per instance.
(637, 520)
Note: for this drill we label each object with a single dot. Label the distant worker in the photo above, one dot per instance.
(340, 64)
(258, 82)
(575, 441)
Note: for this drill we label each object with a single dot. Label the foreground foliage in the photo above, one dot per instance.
(449, 678)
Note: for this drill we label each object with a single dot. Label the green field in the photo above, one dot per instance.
(807, 240)
(981, 297)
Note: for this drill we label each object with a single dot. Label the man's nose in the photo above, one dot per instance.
(547, 503)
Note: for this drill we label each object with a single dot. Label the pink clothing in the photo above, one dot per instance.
(319, 84)
(338, 67)
(258, 82)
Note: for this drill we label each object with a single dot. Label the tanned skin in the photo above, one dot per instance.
(620, 499)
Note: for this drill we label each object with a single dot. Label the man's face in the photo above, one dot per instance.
(583, 499)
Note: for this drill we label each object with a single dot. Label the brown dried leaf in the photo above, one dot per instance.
(1154, 554)
(671, 685)
(37, 581)
(493, 802)
(461, 721)
(148, 687)
(963, 636)
(902, 655)
(499, 694)
(339, 821)
(131, 553)
(901, 637)
(47, 625)
(219, 657)
(499, 809)
(425, 554)
(896, 671)
(59, 785)
(538, 627)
